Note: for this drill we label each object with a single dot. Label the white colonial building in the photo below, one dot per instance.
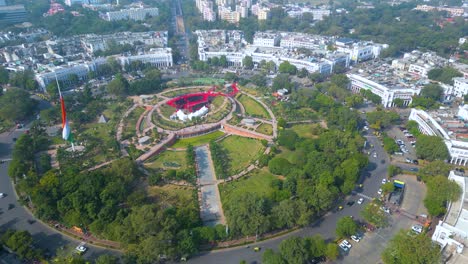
(159, 58)
(388, 94)
(458, 149)
(136, 14)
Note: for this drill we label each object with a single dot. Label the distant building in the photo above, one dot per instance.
(225, 13)
(443, 125)
(460, 87)
(453, 11)
(388, 94)
(136, 14)
(159, 58)
(93, 43)
(13, 14)
(266, 39)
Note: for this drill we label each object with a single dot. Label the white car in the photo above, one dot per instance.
(81, 249)
(346, 243)
(355, 238)
(343, 247)
(385, 209)
(360, 201)
(384, 181)
(379, 191)
(2, 195)
(417, 228)
(375, 155)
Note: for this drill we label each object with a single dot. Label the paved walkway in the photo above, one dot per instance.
(211, 210)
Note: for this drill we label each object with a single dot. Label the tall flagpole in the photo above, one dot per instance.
(60, 94)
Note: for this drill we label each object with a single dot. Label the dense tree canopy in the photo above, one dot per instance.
(431, 148)
(16, 105)
(346, 227)
(444, 75)
(407, 248)
(440, 191)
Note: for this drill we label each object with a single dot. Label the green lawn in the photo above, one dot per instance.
(241, 151)
(172, 195)
(259, 181)
(168, 160)
(252, 107)
(196, 141)
(266, 129)
(167, 110)
(304, 130)
(217, 102)
(130, 123)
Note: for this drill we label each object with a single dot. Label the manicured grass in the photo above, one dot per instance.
(217, 102)
(241, 152)
(173, 195)
(196, 141)
(305, 130)
(252, 107)
(167, 110)
(130, 123)
(266, 129)
(259, 181)
(286, 154)
(184, 91)
(168, 160)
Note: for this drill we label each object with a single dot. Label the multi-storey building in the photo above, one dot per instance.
(453, 131)
(453, 11)
(460, 87)
(225, 13)
(136, 14)
(205, 7)
(92, 43)
(159, 58)
(266, 39)
(13, 14)
(386, 92)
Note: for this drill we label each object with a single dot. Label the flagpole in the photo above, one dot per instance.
(60, 94)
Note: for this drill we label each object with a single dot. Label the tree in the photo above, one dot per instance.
(302, 73)
(271, 257)
(407, 248)
(282, 122)
(431, 148)
(435, 168)
(393, 170)
(288, 138)
(259, 80)
(374, 215)
(119, 86)
(354, 100)
(247, 214)
(390, 145)
(279, 166)
(388, 187)
(346, 227)
(440, 191)
(16, 104)
(4, 75)
(282, 81)
(332, 251)
(106, 259)
(433, 91)
(294, 250)
(286, 67)
(444, 75)
(340, 80)
(398, 102)
(247, 62)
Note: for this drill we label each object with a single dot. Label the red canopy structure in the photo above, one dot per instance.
(194, 101)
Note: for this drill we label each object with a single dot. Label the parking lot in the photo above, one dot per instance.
(370, 248)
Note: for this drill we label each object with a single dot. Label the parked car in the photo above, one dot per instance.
(2, 195)
(385, 209)
(417, 228)
(379, 192)
(344, 248)
(350, 203)
(81, 249)
(384, 181)
(257, 249)
(409, 160)
(346, 243)
(355, 238)
(360, 201)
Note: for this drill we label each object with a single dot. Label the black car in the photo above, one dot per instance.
(350, 203)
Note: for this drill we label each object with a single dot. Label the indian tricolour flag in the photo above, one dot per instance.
(66, 130)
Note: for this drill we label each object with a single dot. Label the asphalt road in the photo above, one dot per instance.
(371, 179)
(21, 219)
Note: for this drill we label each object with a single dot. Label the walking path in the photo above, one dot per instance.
(211, 210)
